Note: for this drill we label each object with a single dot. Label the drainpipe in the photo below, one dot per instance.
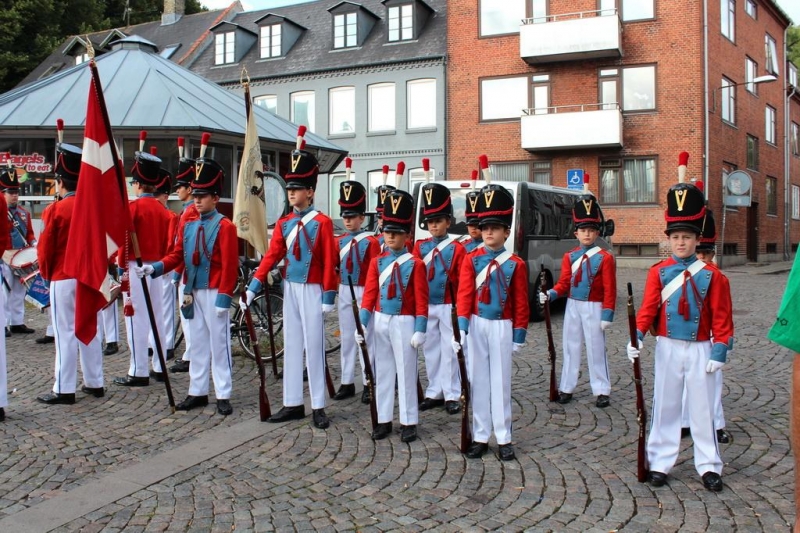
(706, 121)
(787, 238)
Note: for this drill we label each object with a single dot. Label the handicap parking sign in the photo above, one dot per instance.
(575, 178)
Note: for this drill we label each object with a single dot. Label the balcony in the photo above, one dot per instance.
(571, 36)
(571, 127)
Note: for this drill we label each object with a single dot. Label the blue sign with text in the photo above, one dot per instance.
(575, 178)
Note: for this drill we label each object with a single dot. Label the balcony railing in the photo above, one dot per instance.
(571, 127)
(571, 36)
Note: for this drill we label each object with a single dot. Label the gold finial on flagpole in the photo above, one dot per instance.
(244, 77)
(89, 47)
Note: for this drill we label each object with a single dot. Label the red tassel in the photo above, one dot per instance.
(486, 297)
(683, 302)
(431, 271)
(349, 263)
(392, 291)
(127, 309)
(196, 258)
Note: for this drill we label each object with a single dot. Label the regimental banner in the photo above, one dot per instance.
(34, 162)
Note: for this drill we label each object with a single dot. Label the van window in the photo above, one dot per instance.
(459, 199)
(550, 214)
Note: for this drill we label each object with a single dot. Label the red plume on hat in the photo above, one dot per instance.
(142, 139)
(181, 144)
(401, 169)
(154, 150)
(483, 162)
(426, 168)
(204, 143)
(683, 161)
(301, 132)
(348, 168)
(586, 182)
(60, 130)
(385, 171)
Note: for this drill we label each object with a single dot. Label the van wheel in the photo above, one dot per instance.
(536, 308)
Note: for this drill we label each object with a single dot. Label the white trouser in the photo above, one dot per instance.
(110, 317)
(212, 336)
(49, 331)
(303, 329)
(187, 354)
(167, 317)
(440, 359)
(15, 301)
(395, 358)
(680, 364)
(582, 322)
(719, 413)
(3, 376)
(137, 327)
(62, 309)
(490, 345)
(347, 327)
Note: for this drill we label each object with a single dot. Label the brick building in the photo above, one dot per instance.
(618, 90)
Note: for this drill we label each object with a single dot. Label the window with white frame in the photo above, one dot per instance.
(345, 30)
(727, 10)
(302, 109)
(629, 9)
(503, 98)
(417, 175)
(795, 202)
(794, 139)
(499, 17)
(638, 87)
(271, 41)
(81, 58)
(421, 103)
(609, 88)
(539, 10)
(792, 75)
(401, 23)
(750, 73)
(770, 125)
(540, 90)
(728, 101)
(752, 152)
(224, 46)
(772, 55)
(628, 181)
(342, 110)
(381, 107)
(333, 192)
(268, 102)
(751, 8)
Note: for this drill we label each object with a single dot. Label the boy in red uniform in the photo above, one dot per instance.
(22, 236)
(5, 243)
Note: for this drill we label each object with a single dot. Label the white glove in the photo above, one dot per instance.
(458, 345)
(221, 311)
(359, 338)
(713, 366)
(174, 281)
(245, 302)
(418, 339)
(605, 324)
(633, 353)
(517, 347)
(327, 308)
(543, 297)
(270, 279)
(144, 270)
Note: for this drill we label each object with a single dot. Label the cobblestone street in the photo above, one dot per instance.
(125, 463)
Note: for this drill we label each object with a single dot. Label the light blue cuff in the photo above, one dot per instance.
(640, 335)
(46, 283)
(255, 286)
(223, 301)
(158, 269)
(552, 294)
(176, 275)
(421, 324)
(730, 344)
(120, 272)
(719, 352)
(463, 324)
(364, 316)
(329, 297)
(519, 335)
(607, 315)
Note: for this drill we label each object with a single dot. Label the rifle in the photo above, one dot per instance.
(373, 401)
(641, 415)
(466, 429)
(551, 348)
(275, 373)
(263, 400)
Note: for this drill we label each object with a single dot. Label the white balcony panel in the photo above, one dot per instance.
(571, 39)
(572, 130)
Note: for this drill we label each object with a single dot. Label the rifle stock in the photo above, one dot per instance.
(466, 429)
(641, 414)
(263, 401)
(551, 347)
(275, 373)
(373, 400)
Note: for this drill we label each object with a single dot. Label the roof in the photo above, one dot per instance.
(144, 90)
(313, 51)
(190, 32)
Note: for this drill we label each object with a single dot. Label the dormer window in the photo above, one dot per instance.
(81, 58)
(345, 34)
(224, 47)
(401, 23)
(231, 42)
(271, 41)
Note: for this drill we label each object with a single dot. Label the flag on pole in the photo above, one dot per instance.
(786, 329)
(249, 211)
(100, 218)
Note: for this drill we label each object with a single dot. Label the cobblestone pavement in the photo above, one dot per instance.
(576, 466)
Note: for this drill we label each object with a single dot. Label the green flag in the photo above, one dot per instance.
(786, 329)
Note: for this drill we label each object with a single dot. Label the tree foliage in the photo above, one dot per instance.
(793, 43)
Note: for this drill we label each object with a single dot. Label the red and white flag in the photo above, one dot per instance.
(100, 218)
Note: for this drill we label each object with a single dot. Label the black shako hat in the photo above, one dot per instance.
(471, 208)
(209, 177)
(495, 206)
(304, 167)
(686, 208)
(165, 185)
(8, 179)
(352, 199)
(146, 169)
(398, 211)
(708, 234)
(436, 201)
(68, 162)
(586, 212)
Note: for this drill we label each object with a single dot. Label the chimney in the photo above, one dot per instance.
(173, 11)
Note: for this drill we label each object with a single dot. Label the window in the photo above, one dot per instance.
(792, 75)
(333, 193)
(794, 139)
(344, 30)
(303, 109)
(421, 104)
(167, 52)
(770, 126)
(81, 58)
(540, 91)
(772, 196)
(539, 10)
(772, 55)
(609, 88)
(795, 202)
(342, 110)
(630, 10)
(543, 172)
(627, 181)
(375, 178)
(728, 97)
(728, 18)
(503, 98)
(752, 152)
(417, 175)
(750, 73)
(498, 17)
(381, 107)
(750, 7)
(224, 44)
(510, 171)
(401, 23)
(638, 88)
(271, 41)
(268, 102)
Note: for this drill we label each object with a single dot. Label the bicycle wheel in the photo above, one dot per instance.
(258, 310)
(333, 335)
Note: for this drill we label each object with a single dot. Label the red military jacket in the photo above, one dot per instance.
(353, 261)
(415, 295)
(151, 222)
(5, 236)
(603, 285)
(52, 246)
(27, 231)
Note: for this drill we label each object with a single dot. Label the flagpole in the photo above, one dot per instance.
(134, 239)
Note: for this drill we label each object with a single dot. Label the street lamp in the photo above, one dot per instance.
(755, 81)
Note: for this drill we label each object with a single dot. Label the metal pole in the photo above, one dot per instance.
(724, 215)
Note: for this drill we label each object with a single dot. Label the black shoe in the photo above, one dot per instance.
(2, 414)
(382, 431)
(180, 366)
(8, 333)
(723, 437)
(656, 479)
(365, 396)
(345, 391)
(602, 401)
(97, 392)
(712, 481)
(47, 339)
(452, 407)
(111, 348)
(54, 398)
(320, 419)
(158, 376)
(22, 328)
(476, 450)
(564, 397)
(686, 432)
(408, 434)
(132, 381)
(297, 412)
(170, 354)
(224, 407)
(430, 403)
(191, 402)
(507, 452)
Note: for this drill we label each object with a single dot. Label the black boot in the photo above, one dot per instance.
(55, 398)
(296, 412)
(191, 402)
(320, 418)
(111, 348)
(21, 328)
(345, 391)
(47, 339)
(382, 431)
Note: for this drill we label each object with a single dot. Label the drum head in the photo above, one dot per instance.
(23, 257)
